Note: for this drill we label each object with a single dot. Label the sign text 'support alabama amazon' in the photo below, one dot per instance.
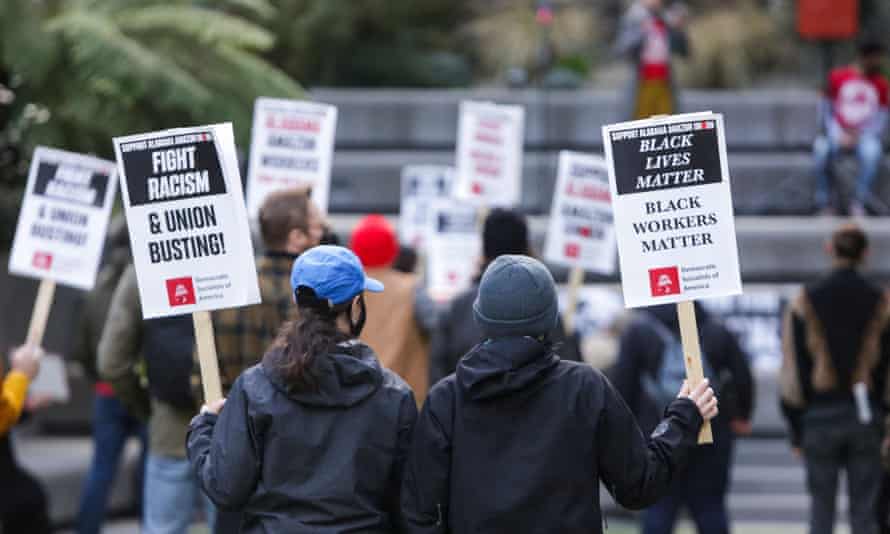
(187, 220)
(673, 209)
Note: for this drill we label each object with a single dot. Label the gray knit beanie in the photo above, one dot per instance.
(517, 297)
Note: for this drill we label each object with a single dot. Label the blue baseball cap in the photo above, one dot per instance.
(334, 273)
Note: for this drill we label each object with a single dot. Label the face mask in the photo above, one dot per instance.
(356, 327)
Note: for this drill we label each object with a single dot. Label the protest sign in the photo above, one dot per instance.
(453, 250)
(292, 145)
(52, 380)
(489, 154)
(422, 185)
(581, 235)
(673, 217)
(188, 228)
(62, 224)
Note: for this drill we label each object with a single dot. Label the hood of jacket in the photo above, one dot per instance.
(502, 366)
(343, 378)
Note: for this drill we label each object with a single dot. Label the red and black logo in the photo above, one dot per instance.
(181, 291)
(42, 260)
(664, 281)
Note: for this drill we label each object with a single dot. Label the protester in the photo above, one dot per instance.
(517, 441)
(504, 232)
(406, 260)
(23, 505)
(854, 118)
(290, 223)
(648, 36)
(112, 424)
(837, 342)
(313, 438)
(649, 367)
(400, 319)
(165, 348)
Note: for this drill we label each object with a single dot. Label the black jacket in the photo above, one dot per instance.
(640, 354)
(517, 441)
(457, 333)
(322, 462)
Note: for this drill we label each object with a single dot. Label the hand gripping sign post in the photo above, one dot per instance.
(188, 229)
(292, 146)
(673, 218)
(581, 235)
(61, 227)
(422, 185)
(489, 154)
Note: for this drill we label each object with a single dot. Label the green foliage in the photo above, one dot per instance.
(84, 71)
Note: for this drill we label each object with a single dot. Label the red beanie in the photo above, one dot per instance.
(374, 242)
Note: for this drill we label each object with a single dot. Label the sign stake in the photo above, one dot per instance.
(692, 352)
(576, 279)
(40, 314)
(207, 356)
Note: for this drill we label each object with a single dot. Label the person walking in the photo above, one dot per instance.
(312, 439)
(399, 319)
(854, 114)
(23, 503)
(518, 441)
(834, 384)
(113, 425)
(456, 331)
(649, 368)
(160, 353)
(648, 36)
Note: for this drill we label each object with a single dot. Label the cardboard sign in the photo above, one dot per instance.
(52, 380)
(422, 185)
(187, 221)
(454, 248)
(581, 232)
(673, 209)
(292, 145)
(64, 217)
(489, 154)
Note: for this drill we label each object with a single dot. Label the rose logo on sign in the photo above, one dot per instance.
(180, 291)
(664, 281)
(42, 260)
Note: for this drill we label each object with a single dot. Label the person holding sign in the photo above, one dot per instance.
(23, 506)
(313, 438)
(517, 440)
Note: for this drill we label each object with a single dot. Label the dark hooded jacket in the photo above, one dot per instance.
(517, 441)
(323, 462)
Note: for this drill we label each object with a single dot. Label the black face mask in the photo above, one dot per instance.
(356, 326)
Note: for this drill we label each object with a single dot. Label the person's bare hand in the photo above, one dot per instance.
(740, 427)
(35, 403)
(703, 397)
(214, 407)
(797, 452)
(26, 359)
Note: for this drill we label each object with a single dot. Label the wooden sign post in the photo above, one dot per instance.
(576, 279)
(40, 314)
(207, 356)
(674, 219)
(692, 356)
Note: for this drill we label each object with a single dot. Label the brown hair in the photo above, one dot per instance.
(282, 212)
(849, 242)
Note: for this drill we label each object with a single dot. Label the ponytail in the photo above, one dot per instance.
(312, 335)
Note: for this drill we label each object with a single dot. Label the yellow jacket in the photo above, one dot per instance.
(12, 399)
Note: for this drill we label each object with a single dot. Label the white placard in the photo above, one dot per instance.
(422, 185)
(292, 145)
(64, 217)
(673, 209)
(454, 248)
(581, 232)
(489, 154)
(188, 224)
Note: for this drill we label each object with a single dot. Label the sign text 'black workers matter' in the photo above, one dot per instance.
(673, 208)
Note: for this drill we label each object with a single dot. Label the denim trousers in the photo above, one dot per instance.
(172, 496)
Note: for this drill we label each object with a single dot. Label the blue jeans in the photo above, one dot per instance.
(112, 426)
(826, 149)
(708, 511)
(171, 496)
